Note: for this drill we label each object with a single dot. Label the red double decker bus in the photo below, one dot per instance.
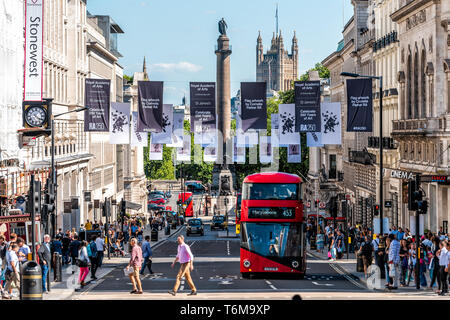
(272, 225)
(185, 199)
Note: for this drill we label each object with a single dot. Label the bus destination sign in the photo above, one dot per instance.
(271, 213)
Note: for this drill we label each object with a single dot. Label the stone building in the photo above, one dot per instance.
(386, 55)
(106, 168)
(423, 126)
(135, 181)
(277, 67)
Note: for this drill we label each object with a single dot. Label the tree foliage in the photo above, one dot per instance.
(324, 73)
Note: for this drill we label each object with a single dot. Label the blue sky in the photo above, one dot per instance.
(178, 37)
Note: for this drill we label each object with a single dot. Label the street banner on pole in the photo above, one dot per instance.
(156, 151)
(97, 99)
(359, 104)
(177, 129)
(307, 106)
(314, 139)
(286, 128)
(150, 106)
(203, 104)
(138, 139)
(238, 152)
(184, 153)
(210, 154)
(265, 149)
(331, 123)
(34, 21)
(119, 123)
(253, 105)
(275, 124)
(165, 136)
(294, 153)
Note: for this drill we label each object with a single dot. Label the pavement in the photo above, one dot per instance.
(348, 266)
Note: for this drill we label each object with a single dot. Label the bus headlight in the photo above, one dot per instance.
(295, 264)
(247, 263)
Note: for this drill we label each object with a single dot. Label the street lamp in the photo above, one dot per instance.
(53, 116)
(355, 75)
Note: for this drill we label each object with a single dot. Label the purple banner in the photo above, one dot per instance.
(150, 106)
(97, 99)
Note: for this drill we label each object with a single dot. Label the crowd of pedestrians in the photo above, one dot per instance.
(394, 253)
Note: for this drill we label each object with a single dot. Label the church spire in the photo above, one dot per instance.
(144, 70)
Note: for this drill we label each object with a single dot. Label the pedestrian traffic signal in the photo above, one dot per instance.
(49, 200)
(376, 209)
(412, 205)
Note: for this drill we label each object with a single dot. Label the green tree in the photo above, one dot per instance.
(324, 73)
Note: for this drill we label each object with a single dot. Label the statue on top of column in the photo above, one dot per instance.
(223, 27)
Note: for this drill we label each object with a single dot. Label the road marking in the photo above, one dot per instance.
(228, 247)
(347, 277)
(325, 284)
(271, 285)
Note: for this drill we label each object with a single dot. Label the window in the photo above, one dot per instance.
(333, 167)
(271, 191)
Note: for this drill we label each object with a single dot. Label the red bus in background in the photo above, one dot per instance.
(238, 212)
(272, 225)
(186, 200)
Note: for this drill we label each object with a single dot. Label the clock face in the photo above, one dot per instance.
(35, 116)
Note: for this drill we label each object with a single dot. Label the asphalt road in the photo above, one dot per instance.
(216, 270)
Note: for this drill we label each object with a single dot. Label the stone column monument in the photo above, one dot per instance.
(223, 185)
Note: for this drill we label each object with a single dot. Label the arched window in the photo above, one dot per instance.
(416, 85)
(408, 89)
(423, 85)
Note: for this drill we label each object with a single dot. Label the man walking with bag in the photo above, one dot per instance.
(185, 257)
(394, 260)
(147, 255)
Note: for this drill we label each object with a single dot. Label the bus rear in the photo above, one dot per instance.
(272, 225)
(185, 199)
(238, 213)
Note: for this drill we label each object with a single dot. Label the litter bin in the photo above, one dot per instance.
(312, 242)
(167, 230)
(31, 281)
(154, 235)
(57, 270)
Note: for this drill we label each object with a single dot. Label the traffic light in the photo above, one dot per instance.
(412, 205)
(122, 208)
(376, 209)
(36, 199)
(423, 207)
(316, 203)
(49, 201)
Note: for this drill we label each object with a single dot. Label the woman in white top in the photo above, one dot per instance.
(83, 263)
(443, 267)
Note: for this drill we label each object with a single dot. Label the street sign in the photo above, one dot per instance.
(20, 200)
(87, 196)
(388, 204)
(67, 207)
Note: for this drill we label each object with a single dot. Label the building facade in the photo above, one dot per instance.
(277, 67)
(423, 126)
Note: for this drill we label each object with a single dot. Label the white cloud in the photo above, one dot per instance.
(179, 66)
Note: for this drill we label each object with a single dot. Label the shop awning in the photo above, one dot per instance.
(132, 205)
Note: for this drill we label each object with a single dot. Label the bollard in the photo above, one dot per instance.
(359, 264)
(31, 281)
(57, 271)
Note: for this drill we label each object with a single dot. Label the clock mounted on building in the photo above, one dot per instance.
(35, 116)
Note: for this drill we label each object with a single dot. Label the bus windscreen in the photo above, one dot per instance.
(272, 239)
(270, 191)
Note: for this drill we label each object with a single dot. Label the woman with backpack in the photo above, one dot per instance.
(91, 249)
(365, 251)
(83, 263)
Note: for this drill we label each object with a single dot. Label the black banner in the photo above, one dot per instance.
(150, 106)
(253, 105)
(359, 105)
(203, 104)
(307, 106)
(97, 99)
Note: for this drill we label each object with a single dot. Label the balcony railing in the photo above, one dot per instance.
(419, 125)
(388, 143)
(362, 157)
